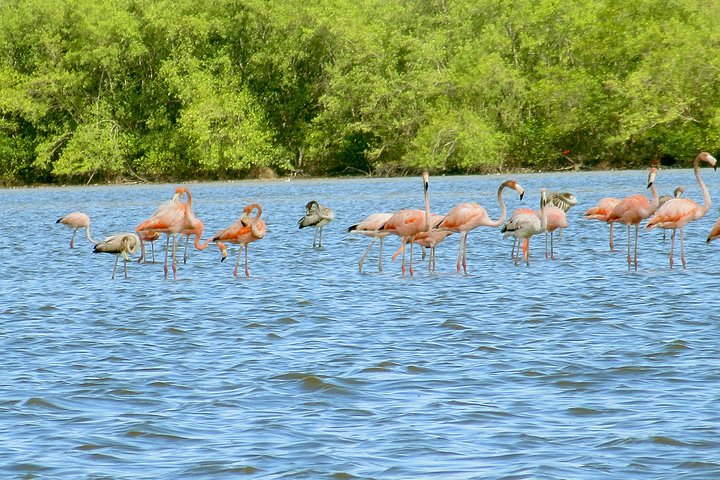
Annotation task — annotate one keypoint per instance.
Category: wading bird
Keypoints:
(602, 211)
(316, 216)
(678, 212)
(408, 223)
(634, 209)
(370, 226)
(465, 217)
(170, 218)
(120, 245)
(524, 223)
(76, 220)
(243, 232)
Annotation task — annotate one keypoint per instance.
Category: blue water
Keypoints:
(575, 368)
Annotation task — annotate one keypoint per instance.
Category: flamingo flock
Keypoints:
(175, 219)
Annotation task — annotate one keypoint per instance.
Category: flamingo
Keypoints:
(170, 218)
(714, 231)
(428, 240)
(244, 231)
(678, 212)
(408, 223)
(147, 236)
(634, 209)
(664, 198)
(370, 226)
(120, 245)
(76, 220)
(601, 211)
(467, 216)
(556, 220)
(524, 223)
(316, 216)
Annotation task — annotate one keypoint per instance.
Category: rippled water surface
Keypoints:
(573, 368)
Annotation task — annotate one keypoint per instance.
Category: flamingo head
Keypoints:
(651, 176)
(543, 197)
(426, 180)
(515, 186)
(706, 157)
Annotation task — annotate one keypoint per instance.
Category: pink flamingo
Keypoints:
(76, 220)
(678, 212)
(465, 217)
(556, 219)
(170, 218)
(243, 232)
(524, 223)
(429, 240)
(601, 211)
(370, 226)
(634, 209)
(408, 223)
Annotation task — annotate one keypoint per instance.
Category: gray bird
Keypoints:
(121, 245)
(316, 216)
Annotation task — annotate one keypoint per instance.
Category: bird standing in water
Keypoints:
(316, 216)
(120, 245)
(244, 231)
(77, 220)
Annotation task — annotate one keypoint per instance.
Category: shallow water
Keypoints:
(573, 368)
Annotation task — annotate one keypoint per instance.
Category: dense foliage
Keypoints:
(180, 89)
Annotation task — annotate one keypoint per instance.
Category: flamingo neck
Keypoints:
(503, 211)
(706, 194)
(427, 207)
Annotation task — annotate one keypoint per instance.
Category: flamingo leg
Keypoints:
(629, 259)
(185, 257)
(637, 233)
(142, 252)
(526, 251)
(237, 263)
(682, 248)
(174, 258)
(412, 272)
(552, 246)
(402, 247)
(380, 256)
(152, 249)
(612, 243)
(167, 252)
(672, 248)
(367, 250)
(72, 239)
(247, 270)
(460, 252)
(112, 277)
(320, 239)
(464, 261)
(546, 245)
(512, 252)
(125, 262)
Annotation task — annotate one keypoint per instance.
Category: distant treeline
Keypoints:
(108, 90)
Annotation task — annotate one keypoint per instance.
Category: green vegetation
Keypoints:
(105, 90)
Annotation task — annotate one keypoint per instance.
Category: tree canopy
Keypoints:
(177, 90)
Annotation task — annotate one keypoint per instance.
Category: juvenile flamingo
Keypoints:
(120, 245)
(243, 232)
(316, 216)
(370, 226)
(465, 217)
(678, 212)
(601, 211)
(76, 220)
(634, 209)
(408, 223)
(524, 223)
(170, 218)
